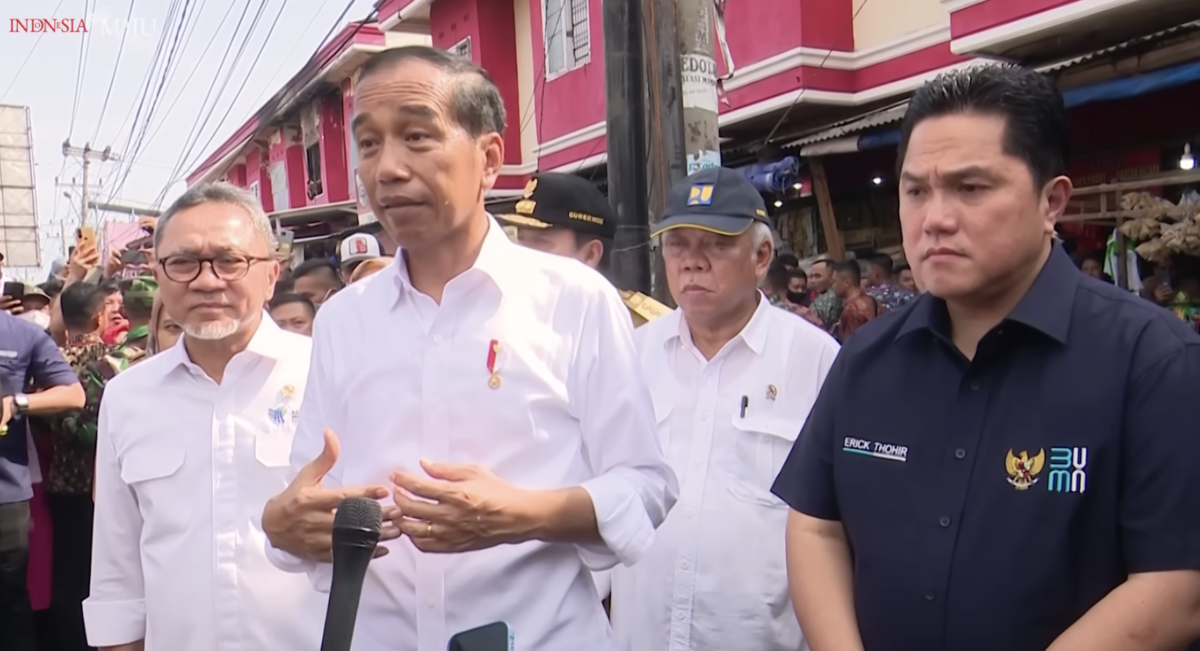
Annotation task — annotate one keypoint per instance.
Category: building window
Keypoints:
(279, 188)
(566, 34)
(462, 48)
(312, 164)
(253, 189)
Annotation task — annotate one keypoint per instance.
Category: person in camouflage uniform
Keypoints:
(68, 480)
(138, 299)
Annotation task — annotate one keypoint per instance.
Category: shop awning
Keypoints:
(315, 213)
(877, 118)
(1082, 60)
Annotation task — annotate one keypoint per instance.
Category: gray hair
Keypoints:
(231, 195)
(759, 233)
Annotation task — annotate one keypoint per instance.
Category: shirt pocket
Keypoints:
(273, 448)
(761, 444)
(152, 473)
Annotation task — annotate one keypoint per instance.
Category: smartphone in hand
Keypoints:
(490, 637)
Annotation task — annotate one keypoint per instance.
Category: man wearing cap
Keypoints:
(566, 215)
(355, 250)
(138, 300)
(732, 378)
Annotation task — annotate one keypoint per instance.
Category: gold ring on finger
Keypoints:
(428, 529)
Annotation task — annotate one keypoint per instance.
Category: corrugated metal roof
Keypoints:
(1092, 56)
(875, 118)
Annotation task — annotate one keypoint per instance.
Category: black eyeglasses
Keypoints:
(227, 267)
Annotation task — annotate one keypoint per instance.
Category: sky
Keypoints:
(184, 128)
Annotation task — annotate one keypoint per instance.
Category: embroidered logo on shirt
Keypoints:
(284, 411)
(876, 449)
(1023, 469)
(1068, 470)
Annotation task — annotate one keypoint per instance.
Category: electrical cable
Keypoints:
(116, 68)
(313, 60)
(29, 56)
(190, 147)
(821, 66)
(162, 82)
(288, 57)
(184, 90)
(80, 73)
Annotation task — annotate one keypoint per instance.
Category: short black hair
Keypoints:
(787, 260)
(309, 267)
(777, 276)
(110, 287)
(81, 303)
(286, 299)
(285, 283)
(850, 268)
(824, 261)
(1036, 126)
(901, 268)
(884, 262)
(475, 104)
(797, 273)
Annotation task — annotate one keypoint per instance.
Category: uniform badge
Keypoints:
(772, 392)
(1023, 469)
(284, 411)
(493, 364)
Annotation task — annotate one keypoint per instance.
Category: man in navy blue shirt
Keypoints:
(1010, 462)
(28, 357)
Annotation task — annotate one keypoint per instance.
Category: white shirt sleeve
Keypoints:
(633, 487)
(316, 415)
(115, 610)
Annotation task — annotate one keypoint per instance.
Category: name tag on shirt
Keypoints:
(8, 354)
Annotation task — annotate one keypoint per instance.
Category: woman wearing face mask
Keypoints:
(35, 306)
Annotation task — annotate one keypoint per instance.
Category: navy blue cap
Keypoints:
(718, 200)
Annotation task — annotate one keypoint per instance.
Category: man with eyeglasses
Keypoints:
(191, 444)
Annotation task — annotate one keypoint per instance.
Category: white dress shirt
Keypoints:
(399, 377)
(715, 579)
(184, 467)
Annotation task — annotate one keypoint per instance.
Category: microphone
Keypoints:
(356, 528)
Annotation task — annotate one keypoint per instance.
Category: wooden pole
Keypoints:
(833, 237)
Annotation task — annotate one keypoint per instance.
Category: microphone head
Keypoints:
(359, 515)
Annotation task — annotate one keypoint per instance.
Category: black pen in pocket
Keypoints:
(745, 403)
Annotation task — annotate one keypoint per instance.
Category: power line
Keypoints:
(80, 73)
(198, 128)
(116, 67)
(287, 57)
(29, 56)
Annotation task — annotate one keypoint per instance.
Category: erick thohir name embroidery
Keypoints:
(877, 449)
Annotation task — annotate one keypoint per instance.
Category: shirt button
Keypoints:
(930, 596)
(437, 339)
(679, 614)
(430, 602)
(974, 386)
(944, 521)
(704, 416)
(960, 454)
(683, 565)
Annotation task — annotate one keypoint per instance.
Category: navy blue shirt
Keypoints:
(27, 355)
(990, 503)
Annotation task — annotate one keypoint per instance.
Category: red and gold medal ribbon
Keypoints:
(493, 354)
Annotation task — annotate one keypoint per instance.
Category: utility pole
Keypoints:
(625, 90)
(87, 154)
(664, 118)
(698, 70)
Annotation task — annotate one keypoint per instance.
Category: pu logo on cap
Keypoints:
(701, 195)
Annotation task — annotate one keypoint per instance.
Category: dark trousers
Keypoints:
(16, 614)
(71, 517)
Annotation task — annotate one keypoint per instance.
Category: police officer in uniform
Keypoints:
(566, 215)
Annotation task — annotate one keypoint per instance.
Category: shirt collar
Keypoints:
(267, 342)
(1046, 306)
(497, 260)
(754, 334)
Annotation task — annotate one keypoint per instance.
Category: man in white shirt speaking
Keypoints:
(192, 442)
(732, 379)
(493, 388)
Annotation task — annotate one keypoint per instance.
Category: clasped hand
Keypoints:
(455, 508)
(459, 508)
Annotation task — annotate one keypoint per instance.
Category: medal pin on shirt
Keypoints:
(493, 365)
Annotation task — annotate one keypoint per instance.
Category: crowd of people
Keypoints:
(754, 470)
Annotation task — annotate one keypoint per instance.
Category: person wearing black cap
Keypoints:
(566, 215)
(731, 378)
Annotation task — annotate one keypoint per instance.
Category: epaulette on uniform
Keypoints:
(643, 308)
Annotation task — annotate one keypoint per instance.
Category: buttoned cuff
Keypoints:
(112, 623)
(624, 525)
(319, 574)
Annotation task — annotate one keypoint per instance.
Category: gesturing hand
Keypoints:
(460, 508)
(300, 519)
